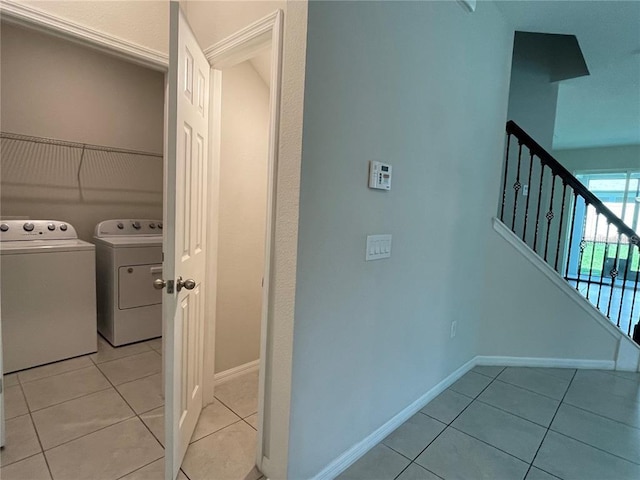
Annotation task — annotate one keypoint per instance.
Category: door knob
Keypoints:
(189, 284)
(159, 284)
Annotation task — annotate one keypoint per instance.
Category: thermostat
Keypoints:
(379, 175)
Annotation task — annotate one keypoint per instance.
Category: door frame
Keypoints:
(229, 49)
(235, 49)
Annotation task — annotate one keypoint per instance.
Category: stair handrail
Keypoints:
(567, 177)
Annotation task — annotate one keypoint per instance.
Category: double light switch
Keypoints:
(378, 246)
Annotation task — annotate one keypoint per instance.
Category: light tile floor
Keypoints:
(101, 417)
(500, 423)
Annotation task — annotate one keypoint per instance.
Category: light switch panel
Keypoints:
(378, 246)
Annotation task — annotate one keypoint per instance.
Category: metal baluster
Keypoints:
(535, 237)
(583, 243)
(564, 198)
(624, 284)
(549, 215)
(526, 210)
(606, 253)
(573, 219)
(516, 186)
(506, 174)
(593, 253)
(613, 273)
(635, 241)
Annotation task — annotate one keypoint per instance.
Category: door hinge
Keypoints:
(169, 286)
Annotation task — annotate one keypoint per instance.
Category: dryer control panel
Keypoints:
(129, 226)
(13, 230)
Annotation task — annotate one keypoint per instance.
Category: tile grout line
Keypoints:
(528, 389)
(596, 448)
(90, 433)
(114, 387)
(245, 421)
(68, 400)
(33, 424)
(119, 358)
(511, 413)
(86, 394)
(136, 415)
(108, 426)
(450, 423)
(212, 433)
(601, 415)
(22, 382)
(490, 445)
(551, 423)
(137, 469)
(234, 412)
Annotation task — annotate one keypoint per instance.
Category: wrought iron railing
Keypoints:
(573, 231)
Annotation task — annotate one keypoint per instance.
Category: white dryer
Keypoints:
(128, 260)
(47, 292)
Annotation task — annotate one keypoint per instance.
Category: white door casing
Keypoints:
(184, 237)
(2, 426)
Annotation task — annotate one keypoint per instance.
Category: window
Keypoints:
(598, 244)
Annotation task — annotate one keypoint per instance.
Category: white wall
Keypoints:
(423, 86)
(526, 315)
(145, 23)
(603, 158)
(56, 89)
(242, 216)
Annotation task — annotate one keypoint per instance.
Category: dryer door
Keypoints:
(135, 286)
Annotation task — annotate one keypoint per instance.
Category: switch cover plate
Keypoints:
(378, 246)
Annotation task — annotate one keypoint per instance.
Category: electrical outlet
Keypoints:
(454, 326)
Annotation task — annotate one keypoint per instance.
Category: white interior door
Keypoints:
(184, 242)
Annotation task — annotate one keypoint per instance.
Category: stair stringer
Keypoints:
(627, 352)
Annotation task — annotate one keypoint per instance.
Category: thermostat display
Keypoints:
(379, 176)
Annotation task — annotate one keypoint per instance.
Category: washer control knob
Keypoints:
(152, 225)
(4, 227)
(63, 227)
(120, 225)
(28, 227)
(136, 225)
(51, 227)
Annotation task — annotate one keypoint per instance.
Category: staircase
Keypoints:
(572, 230)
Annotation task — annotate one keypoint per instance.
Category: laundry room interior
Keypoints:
(82, 141)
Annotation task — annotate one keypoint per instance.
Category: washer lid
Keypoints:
(44, 246)
(130, 241)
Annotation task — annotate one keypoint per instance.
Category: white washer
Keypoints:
(128, 260)
(48, 293)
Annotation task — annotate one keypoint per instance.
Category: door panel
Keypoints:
(185, 248)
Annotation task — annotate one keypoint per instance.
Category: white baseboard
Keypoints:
(344, 461)
(236, 372)
(545, 362)
(349, 457)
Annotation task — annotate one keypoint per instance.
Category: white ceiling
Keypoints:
(603, 108)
